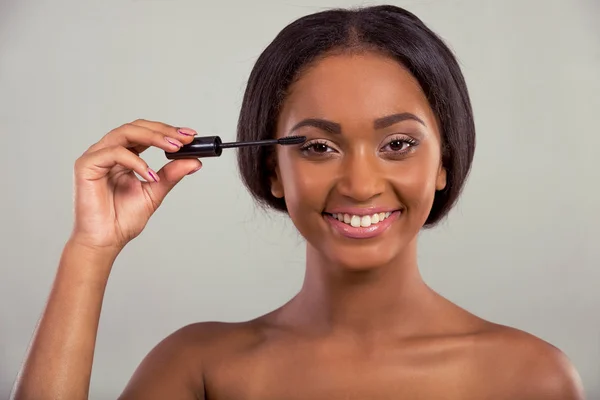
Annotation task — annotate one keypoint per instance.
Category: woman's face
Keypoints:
(362, 185)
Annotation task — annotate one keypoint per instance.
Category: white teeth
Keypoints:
(365, 221)
(375, 218)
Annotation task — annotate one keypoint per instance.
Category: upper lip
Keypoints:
(361, 210)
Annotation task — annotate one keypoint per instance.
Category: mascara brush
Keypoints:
(212, 146)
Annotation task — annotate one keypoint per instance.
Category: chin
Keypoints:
(359, 264)
(364, 256)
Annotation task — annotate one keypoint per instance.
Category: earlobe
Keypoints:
(276, 187)
(276, 190)
(441, 182)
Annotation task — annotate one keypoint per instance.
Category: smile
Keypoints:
(357, 226)
(361, 220)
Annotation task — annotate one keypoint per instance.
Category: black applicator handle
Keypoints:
(200, 147)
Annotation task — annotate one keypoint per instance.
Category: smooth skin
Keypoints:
(364, 324)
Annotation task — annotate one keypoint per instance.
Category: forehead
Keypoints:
(355, 87)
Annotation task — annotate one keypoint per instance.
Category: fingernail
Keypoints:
(153, 175)
(187, 131)
(195, 169)
(174, 142)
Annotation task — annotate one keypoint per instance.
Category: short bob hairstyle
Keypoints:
(388, 30)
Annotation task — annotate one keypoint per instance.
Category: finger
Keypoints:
(186, 135)
(137, 138)
(172, 173)
(97, 164)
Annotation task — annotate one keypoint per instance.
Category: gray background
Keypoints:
(520, 249)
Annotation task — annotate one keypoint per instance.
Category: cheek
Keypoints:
(415, 183)
(305, 185)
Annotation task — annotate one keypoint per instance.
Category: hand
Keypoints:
(112, 206)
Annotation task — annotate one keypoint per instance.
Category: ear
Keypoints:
(441, 181)
(276, 186)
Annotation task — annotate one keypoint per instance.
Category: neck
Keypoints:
(335, 299)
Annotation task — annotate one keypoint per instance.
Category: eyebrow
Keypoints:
(390, 120)
(322, 124)
(335, 128)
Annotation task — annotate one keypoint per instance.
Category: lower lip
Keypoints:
(361, 232)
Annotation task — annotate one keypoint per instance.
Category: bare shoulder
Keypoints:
(529, 367)
(174, 367)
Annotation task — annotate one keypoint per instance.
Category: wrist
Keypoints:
(88, 259)
(79, 244)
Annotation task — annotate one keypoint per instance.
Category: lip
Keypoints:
(361, 232)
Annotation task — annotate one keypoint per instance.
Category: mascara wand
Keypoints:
(212, 146)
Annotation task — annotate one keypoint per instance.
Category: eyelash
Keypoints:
(306, 149)
(411, 142)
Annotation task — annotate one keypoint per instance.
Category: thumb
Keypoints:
(172, 173)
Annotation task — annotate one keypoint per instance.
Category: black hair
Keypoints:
(388, 29)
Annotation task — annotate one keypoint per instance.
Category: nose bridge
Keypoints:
(361, 177)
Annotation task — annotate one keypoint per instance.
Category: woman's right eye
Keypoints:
(317, 148)
(320, 148)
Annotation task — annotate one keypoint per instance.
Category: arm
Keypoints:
(59, 360)
(61, 354)
(112, 207)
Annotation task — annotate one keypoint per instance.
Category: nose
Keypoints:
(361, 178)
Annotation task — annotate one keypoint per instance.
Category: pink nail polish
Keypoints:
(153, 174)
(187, 131)
(174, 142)
(195, 169)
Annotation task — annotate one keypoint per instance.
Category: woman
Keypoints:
(390, 140)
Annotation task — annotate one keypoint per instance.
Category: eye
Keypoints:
(399, 145)
(317, 148)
